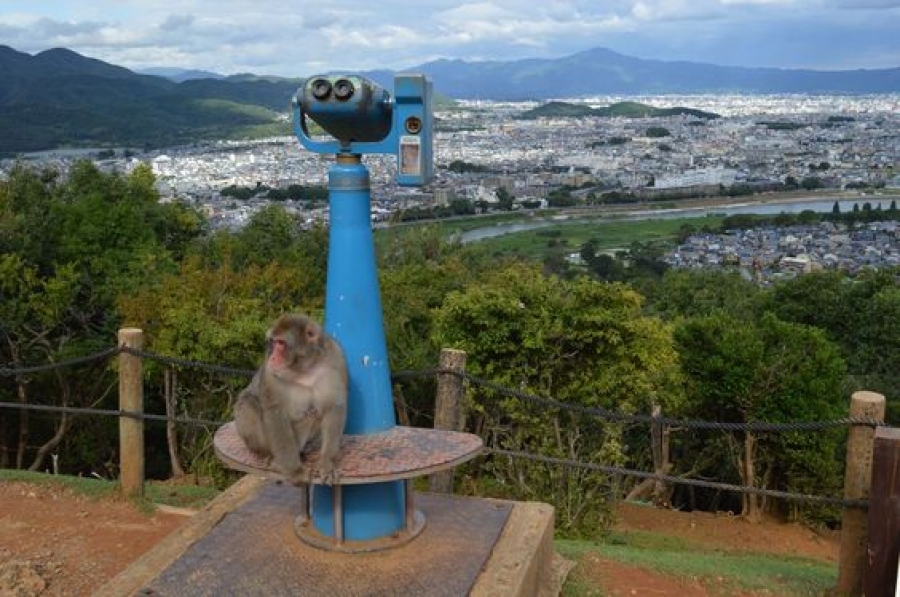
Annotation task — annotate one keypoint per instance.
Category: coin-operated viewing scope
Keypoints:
(362, 117)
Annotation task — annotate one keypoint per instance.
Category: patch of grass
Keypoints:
(729, 571)
(155, 492)
(179, 495)
(86, 486)
(607, 233)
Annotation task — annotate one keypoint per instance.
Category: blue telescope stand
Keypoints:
(353, 315)
(371, 506)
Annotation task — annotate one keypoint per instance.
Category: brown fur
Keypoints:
(299, 393)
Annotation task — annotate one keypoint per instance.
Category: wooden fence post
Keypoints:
(448, 408)
(857, 482)
(131, 430)
(880, 577)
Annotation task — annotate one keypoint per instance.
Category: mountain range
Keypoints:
(59, 98)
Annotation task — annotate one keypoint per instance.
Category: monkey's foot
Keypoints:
(298, 477)
(331, 476)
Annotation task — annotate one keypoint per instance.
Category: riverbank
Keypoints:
(770, 203)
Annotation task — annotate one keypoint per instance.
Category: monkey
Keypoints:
(299, 392)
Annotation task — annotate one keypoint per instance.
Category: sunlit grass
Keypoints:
(717, 569)
(607, 233)
(155, 492)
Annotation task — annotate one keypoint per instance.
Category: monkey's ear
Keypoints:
(313, 332)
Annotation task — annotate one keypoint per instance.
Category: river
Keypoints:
(820, 205)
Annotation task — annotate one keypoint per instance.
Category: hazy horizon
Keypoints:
(296, 39)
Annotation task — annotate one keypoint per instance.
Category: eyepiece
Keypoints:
(321, 89)
(343, 90)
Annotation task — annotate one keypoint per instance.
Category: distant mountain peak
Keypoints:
(601, 71)
(180, 74)
(95, 103)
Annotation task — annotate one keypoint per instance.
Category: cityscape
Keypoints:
(840, 142)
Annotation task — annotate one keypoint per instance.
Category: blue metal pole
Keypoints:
(353, 316)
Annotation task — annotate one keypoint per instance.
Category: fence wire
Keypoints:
(609, 415)
(7, 371)
(187, 363)
(615, 470)
(618, 417)
(129, 414)
(599, 412)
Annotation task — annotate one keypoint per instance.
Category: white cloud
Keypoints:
(298, 38)
(677, 10)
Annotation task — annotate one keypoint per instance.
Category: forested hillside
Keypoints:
(82, 257)
(61, 99)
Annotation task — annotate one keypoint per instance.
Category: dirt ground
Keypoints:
(718, 531)
(53, 542)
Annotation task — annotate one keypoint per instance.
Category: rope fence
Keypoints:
(615, 470)
(601, 413)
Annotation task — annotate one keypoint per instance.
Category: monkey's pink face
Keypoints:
(278, 353)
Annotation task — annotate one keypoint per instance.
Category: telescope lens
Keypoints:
(343, 90)
(321, 88)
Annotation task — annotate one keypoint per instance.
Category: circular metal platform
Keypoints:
(398, 453)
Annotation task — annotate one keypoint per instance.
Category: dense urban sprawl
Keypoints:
(839, 141)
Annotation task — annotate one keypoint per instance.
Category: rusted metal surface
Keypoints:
(399, 453)
(415, 524)
(254, 551)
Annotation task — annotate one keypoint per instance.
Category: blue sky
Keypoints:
(301, 38)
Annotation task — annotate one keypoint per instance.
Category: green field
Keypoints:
(609, 233)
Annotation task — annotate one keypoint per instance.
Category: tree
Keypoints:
(858, 313)
(685, 231)
(462, 207)
(504, 198)
(561, 198)
(656, 132)
(741, 371)
(72, 249)
(211, 313)
(581, 342)
(694, 293)
(32, 312)
(811, 182)
(418, 268)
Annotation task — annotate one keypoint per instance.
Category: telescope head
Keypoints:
(363, 118)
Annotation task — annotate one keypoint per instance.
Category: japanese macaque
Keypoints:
(299, 393)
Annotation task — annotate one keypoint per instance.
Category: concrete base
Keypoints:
(244, 543)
